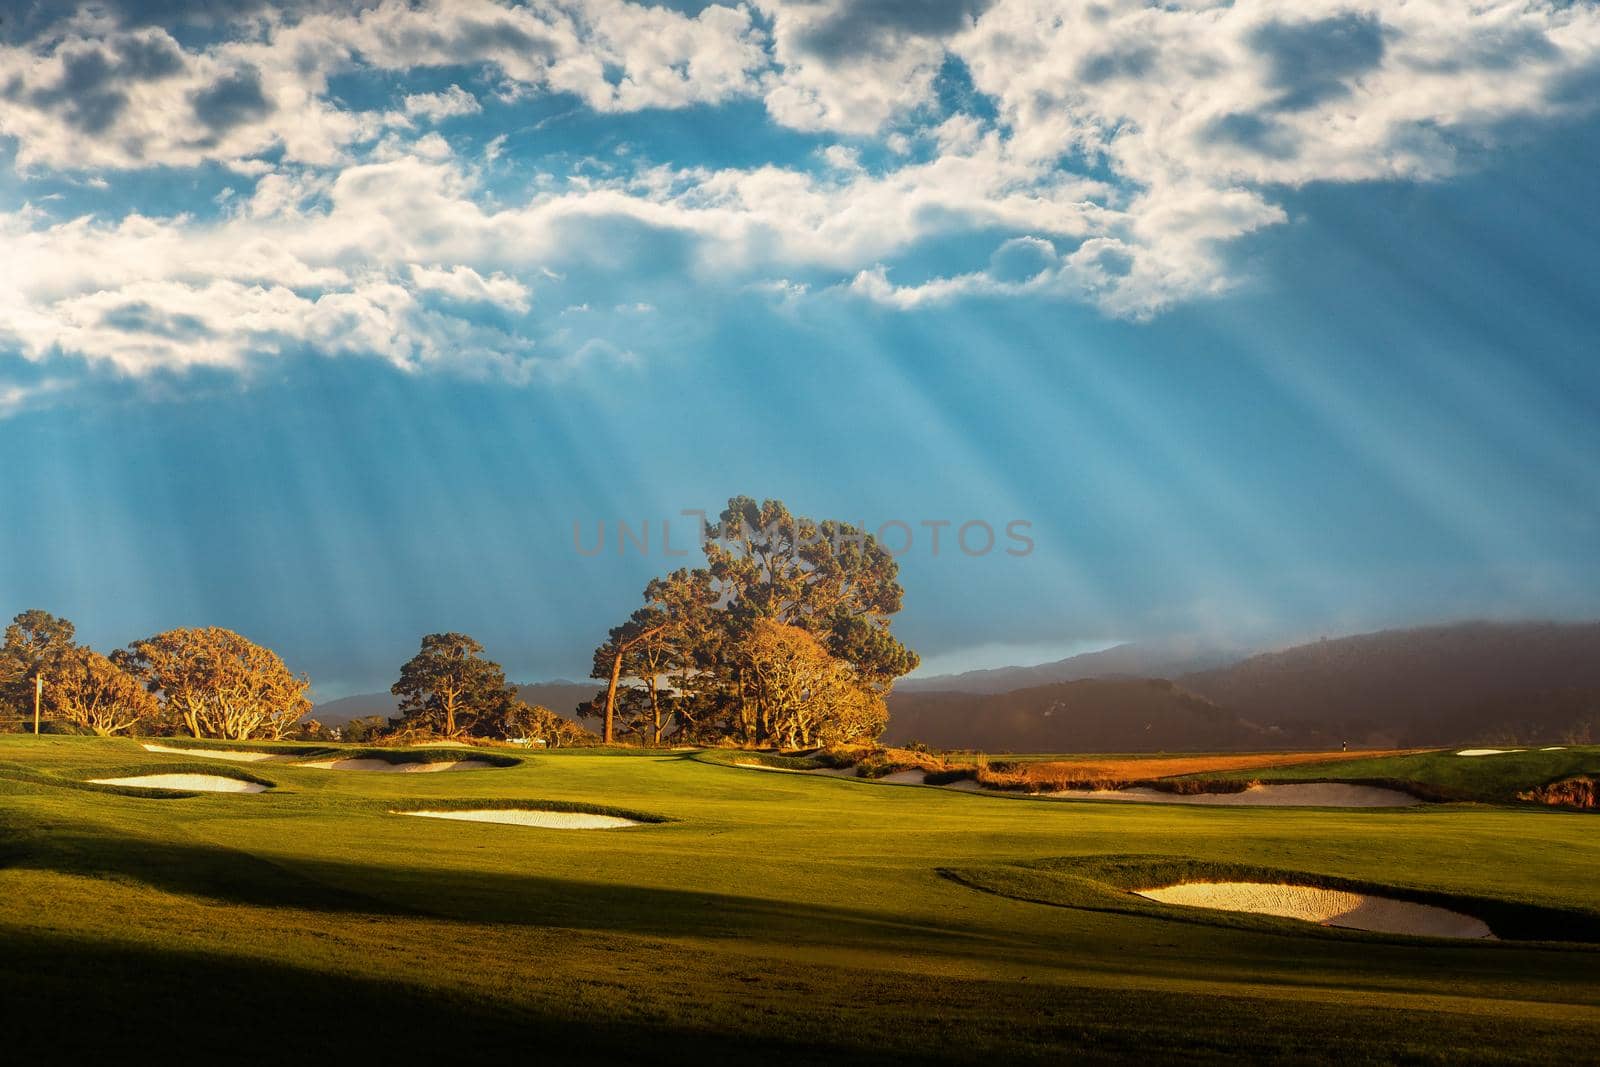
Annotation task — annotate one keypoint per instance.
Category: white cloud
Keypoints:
(1113, 149)
(435, 107)
(464, 283)
(97, 96)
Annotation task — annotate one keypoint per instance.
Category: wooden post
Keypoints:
(38, 694)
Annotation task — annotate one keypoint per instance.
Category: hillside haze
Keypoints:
(1088, 715)
(1429, 685)
(1155, 659)
(1438, 685)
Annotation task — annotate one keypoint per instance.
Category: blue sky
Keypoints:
(329, 323)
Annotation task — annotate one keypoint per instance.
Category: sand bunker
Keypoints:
(1488, 751)
(383, 766)
(764, 767)
(1554, 748)
(1327, 907)
(191, 783)
(1300, 795)
(549, 820)
(217, 753)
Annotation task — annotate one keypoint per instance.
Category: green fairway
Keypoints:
(784, 916)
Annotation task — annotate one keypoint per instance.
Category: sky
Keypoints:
(341, 323)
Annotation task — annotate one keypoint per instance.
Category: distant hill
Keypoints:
(562, 697)
(1163, 659)
(1088, 715)
(1528, 682)
(338, 712)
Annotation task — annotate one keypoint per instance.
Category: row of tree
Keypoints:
(781, 639)
(208, 682)
(211, 682)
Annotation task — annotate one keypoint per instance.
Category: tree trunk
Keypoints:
(655, 712)
(611, 696)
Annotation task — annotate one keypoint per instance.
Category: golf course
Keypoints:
(675, 906)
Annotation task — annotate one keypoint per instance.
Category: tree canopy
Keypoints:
(91, 692)
(717, 652)
(449, 686)
(219, 684)
(35, 643)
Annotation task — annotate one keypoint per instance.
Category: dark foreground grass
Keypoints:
(785, 918)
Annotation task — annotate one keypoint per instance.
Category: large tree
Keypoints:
(795, 695)
(686, 648)
(448, 686)
(660, 642)
(90, 691)
(219, 684)
(35, 644)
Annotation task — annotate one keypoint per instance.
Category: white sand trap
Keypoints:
(1327, 907)
(1296, 795)
(1554, 748)
(217, 753)
(192, 783)
(1488, 751)
(549, 820)
(911, 777)
(383, 766)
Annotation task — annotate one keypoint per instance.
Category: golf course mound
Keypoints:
(1326, 907)
(383, 766)
(539, 817)
(1225, 793)
(1220, 893)
(1295, 795)
(232, 755)
(185, 783)
(1308, 795)
(766, 767)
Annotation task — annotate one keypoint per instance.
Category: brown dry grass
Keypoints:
(1046, 776)
(1579, 792)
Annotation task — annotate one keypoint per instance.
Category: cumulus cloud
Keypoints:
(464, 283)
(435, 107)
(94, 93)
(1104, 151)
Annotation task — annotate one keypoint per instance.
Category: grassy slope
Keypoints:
(804, 915)
(1492, 779)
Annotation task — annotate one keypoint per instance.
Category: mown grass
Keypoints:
(796, 918)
